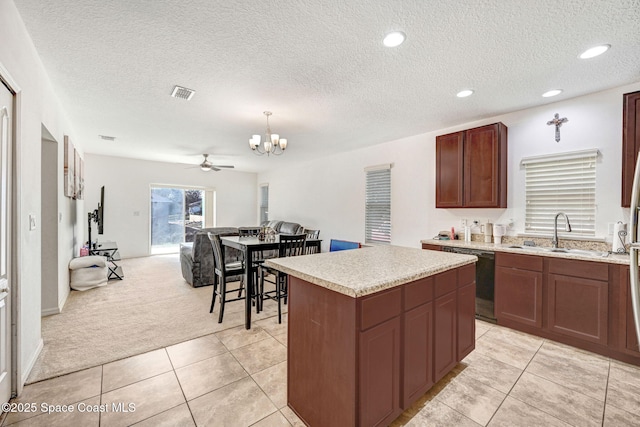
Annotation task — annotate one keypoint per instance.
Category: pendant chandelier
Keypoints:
(272, 143)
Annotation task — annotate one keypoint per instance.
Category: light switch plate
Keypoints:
(32, 221)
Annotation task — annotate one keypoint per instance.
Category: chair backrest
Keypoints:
(342, 245)
(248, 231)
(292, 245)
(218, 253)
(312, 234)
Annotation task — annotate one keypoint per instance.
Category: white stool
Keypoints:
(88, 272)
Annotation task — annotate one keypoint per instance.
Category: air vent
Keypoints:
(182, 92)
(107, 138)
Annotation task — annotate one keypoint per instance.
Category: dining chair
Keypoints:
(290, 245)
(342, 245)
(312, 234)
(258, 257)
(222, 273)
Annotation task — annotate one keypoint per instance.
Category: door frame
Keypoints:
(13, 219)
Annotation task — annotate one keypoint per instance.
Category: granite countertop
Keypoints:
(610, 258)
(360, 272)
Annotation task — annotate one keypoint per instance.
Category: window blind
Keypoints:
(378, 205)
(561, 183)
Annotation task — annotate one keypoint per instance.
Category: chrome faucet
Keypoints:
(567, 227)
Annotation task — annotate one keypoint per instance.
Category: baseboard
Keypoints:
(50, 311)
(27, 370)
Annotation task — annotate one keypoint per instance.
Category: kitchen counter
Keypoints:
(610, 258)
(368, 270)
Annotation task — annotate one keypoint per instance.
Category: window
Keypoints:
(264, 203)
(378, 204)
(561, 183)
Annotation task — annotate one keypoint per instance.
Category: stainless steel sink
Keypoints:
(595, 254)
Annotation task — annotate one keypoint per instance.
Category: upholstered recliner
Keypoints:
(196, 258)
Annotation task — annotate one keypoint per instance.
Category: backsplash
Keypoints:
(546, 242)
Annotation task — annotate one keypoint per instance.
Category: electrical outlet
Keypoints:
(463, 222)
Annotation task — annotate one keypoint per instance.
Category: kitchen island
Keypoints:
(371, 330)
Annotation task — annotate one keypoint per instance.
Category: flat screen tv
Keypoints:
(100, 218)
(97, 215)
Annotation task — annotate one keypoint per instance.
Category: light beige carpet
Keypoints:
(153, 307)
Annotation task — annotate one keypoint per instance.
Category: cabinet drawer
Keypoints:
(431, 247)
(377, 308)
(418, 292)
(575, 268)
(523, 262)
(446, 282)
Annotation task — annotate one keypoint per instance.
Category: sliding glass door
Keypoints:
(177, 214)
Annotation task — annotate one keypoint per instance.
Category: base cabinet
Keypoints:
(578, 307)
(518, 289)
(418, 353)
(380, 374)
(361, 361)
(445, 336)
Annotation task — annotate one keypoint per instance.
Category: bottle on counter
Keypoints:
(467, 234)
(452, 236)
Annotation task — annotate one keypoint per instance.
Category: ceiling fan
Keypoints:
(206, 165)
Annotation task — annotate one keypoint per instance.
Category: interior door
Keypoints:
(6, 113)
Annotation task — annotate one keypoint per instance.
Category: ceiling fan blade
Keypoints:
(224, 166)
(215, 169)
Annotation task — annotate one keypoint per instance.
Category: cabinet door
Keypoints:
(578, 307)
(466, 320)
(380, 374)
(485, 166)
(630, 143)
(518, 296)
(630, 337)
(418, 353)
(449, 176)
(445, 335)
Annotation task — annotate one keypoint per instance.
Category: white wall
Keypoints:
(127, 191)
(37, 105)
(329, 192)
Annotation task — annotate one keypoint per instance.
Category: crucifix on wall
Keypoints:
(558, 122)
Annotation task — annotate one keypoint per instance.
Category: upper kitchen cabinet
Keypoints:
(630, 143)
(471, 168)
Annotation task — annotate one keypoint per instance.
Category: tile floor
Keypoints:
(238, 378)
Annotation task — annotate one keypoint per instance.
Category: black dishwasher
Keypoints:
(485, 275)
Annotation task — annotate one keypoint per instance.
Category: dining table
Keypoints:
(249, 246)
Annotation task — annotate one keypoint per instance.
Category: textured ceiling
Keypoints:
(319, 65)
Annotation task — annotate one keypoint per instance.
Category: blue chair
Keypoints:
(342, 245)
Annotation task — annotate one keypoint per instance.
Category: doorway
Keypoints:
(177, 214)
(6, 138)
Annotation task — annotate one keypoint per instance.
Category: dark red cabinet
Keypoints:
(380, 374)
(418, 353)
(630, 142)
(471, 168)
(361, 361)
(518, 289)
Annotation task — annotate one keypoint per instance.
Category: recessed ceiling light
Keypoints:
(595, 51)
(394, 39)
(464, 93)
(107, 138)
(552, 92)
